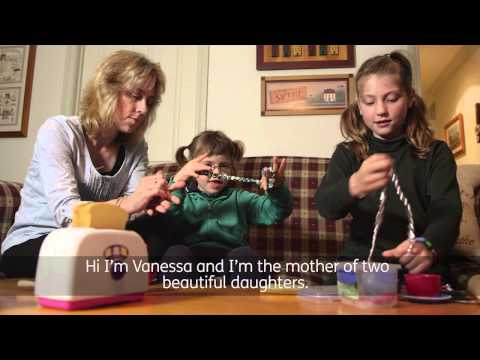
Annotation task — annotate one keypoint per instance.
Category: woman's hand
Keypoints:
(191, 169)
(278, 166)
(419, 259)
(152, 195)
(374, 174)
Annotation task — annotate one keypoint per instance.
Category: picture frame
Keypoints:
(455, 135)
(16, 77)
(288, 57)
(477, 122)
(306, 95)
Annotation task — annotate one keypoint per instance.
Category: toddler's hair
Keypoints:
(212, 143)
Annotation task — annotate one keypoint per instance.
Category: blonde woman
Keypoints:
(100, 155)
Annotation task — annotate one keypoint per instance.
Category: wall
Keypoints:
(52, 93)
(457, 91)
(234, 104)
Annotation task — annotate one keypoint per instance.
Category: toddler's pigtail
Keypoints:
(238, 150)
(180, 155)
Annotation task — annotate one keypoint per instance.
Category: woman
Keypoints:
(99, 156)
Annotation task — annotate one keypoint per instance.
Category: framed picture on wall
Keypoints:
(306, 95)
(16, 77)
(477, 123)
(455, 136)
(287, 57)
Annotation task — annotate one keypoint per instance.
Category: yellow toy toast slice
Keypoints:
(99, 216)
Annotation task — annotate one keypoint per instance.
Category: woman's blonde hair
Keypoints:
(417, 130)
(211, 143)
(122, 71)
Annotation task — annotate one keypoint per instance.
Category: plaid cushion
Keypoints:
(305, 234)
(302, 236)
(9, 203)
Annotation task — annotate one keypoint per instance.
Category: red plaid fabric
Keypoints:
(305, 234)
(9, 203)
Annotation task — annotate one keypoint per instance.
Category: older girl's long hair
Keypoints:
(417, 130)
(122, 71)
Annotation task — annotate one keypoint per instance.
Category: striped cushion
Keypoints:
(305, 234)
(9, 203)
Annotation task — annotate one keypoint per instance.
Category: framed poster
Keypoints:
(306, 95)
(16, 77)
(455, 136)
(287, 57)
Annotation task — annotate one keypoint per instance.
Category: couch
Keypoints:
(305, 235)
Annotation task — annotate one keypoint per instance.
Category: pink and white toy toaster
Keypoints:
(82, 267)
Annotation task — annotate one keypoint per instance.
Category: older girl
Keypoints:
(387, 129)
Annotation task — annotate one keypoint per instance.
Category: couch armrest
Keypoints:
(9, 203)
